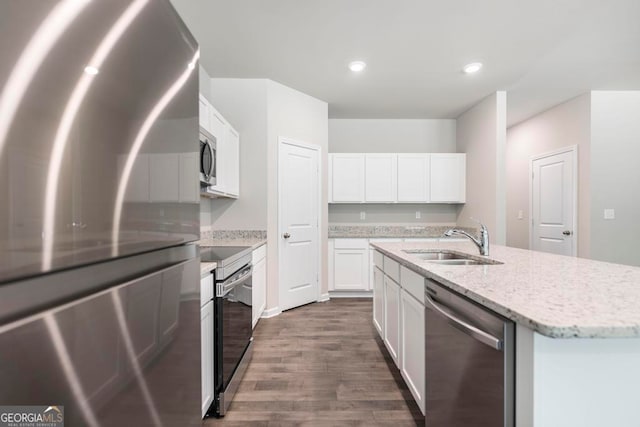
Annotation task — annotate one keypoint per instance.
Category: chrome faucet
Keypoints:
(482, 243)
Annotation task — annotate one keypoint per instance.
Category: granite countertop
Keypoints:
(556, 296)
(399, 231)
(206, 268)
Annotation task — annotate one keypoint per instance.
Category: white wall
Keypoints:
(615, 175)
(298, 116)
(561, 126)
(243, 102)
(481, 133)
(395, 136)
(392, 136)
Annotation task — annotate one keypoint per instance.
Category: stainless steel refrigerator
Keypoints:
(99, 209)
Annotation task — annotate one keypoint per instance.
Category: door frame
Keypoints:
(282, 140)
(573, 150)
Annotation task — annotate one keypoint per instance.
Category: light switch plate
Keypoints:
(520, 214)
(417, 214)
(363, 215)
(609, 214)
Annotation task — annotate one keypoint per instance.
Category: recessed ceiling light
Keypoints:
(357, 66)
(91, 70)
(472, 68)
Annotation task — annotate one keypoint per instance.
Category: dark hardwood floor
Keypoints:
(322, 365)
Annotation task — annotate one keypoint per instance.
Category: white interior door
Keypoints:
(553, 206)
(299, 207)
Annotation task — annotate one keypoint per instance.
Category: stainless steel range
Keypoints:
(232, 320)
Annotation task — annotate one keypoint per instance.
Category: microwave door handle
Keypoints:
(463, 326)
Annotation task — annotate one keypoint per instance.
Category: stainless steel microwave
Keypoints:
(208, 158)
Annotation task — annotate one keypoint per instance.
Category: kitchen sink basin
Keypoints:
(449, 258)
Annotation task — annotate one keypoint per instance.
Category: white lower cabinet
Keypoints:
(206, 342)
(259, 283)
(392, 318)
(378, 300)
(349, 265)
(412, 351)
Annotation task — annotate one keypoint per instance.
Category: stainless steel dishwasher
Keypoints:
(470, 360)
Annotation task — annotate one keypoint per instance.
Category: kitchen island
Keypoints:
(577, 328)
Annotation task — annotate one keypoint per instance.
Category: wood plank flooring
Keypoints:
(321, 365)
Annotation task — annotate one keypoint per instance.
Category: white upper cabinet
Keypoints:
(448, 178)
(205, 114)
(227, 157)
(413, 178)
(233, 162)
(380, 178)
(346, 178)
(397, 178)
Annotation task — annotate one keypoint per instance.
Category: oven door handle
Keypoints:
(224, 288)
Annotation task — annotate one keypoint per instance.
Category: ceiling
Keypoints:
(542, 52)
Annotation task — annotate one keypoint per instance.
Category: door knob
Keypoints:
(567, 233)
(286, 235)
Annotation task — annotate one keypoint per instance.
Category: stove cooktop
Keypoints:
(220, 254)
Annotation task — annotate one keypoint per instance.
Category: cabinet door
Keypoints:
(233, 165)
(205, 113)
(378, 300)
(412, 353)
(380, 178)
(351, 269)
(448, 178)
(392, 319)
(164, 179)
(259, 294)
(346, 178)
(219, 130)
(206, 342)
(413, 178)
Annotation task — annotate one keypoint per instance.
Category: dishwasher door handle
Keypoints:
(468, 329)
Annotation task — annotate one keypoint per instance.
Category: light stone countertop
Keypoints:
(556, 296)
(206, 268)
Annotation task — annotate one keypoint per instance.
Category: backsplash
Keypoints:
(233, 234)
(384, 231)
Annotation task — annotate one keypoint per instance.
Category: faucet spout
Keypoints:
(482, 243)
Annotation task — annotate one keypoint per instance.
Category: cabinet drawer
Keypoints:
(378, 259)
(392, 269)
(351, 243)
(412, 282)
(259, 254)
(206, 289)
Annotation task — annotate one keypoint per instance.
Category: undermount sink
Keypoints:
(449, 258)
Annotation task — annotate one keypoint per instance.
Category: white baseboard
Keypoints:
(323, 298)
(351, 294)
(272, 312)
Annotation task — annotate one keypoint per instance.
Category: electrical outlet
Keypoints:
(363, 215)
(609, 214)
(520, 215)
(417, 214)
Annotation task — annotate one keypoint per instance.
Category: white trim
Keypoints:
(351, 294)
(569, 149)
(324, 297)
(289, 141)
(272, 312)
